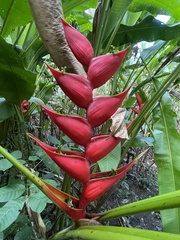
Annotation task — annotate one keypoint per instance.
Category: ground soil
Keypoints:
(139, 183)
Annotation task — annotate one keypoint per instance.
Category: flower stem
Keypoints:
(60, 216)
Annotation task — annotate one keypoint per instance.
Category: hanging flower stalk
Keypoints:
(79, 129)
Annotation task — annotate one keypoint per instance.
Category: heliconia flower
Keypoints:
(95, 188)
(24, 105)
(63, 200)
(140, 104)
(76, 87)
(103, 108)
(102, 68)
(79, 44)
(76, 166)
(100, 146)
(75, 127)
(66, 152)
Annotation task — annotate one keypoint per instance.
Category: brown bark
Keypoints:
(47, 14)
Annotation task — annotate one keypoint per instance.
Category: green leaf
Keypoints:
(69, 5)
(129, 102)
(33, 158)
(13, 190)
(115, 233)
(27, 231)
(149, 29)
(1, 236)
(16, 83)
(17, 154)
(5, 164)
(7, 109)
(166, 153)
(32, 46)
(10, 211)
(171, 8)
(116, 14)
(110, 161)
(14, 13)
(151, 50)
(38, 201)
(47, 160)
(140, 141)
(53, 140)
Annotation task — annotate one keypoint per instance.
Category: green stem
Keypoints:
(146, 110)
(33, 178)
(19, 35)
(60, 216)
(101, 25)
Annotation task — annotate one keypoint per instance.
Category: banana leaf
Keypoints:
(171, 8)
(166, 153)
(149, 29)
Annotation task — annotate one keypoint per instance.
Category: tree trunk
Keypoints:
(47, 16)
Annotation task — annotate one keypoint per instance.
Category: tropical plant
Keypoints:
(150, 82)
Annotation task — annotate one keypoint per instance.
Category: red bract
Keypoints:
(102, 68)
(100, 146)
(24, 105)
(103, 108)
(61, 200)
(94, 188)
(77, 88)
(76, 166)
(79, 44)
(75, 127)
(140, 104)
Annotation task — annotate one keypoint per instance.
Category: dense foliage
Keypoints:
(150, 72)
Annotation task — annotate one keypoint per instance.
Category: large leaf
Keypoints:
(14, 13)
(166, 151)
(110, 161)
(26, 231)
(149, 29)
(32, 46)
(7, 109)
(69, 5)
(5, 164)
(38, 201)
(13, 190)
(16, 83)
(158, 7)
(10, 211)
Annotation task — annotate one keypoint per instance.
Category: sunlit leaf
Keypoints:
(69, 5)
(14, 14)
(149, 29)
(158, 7)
